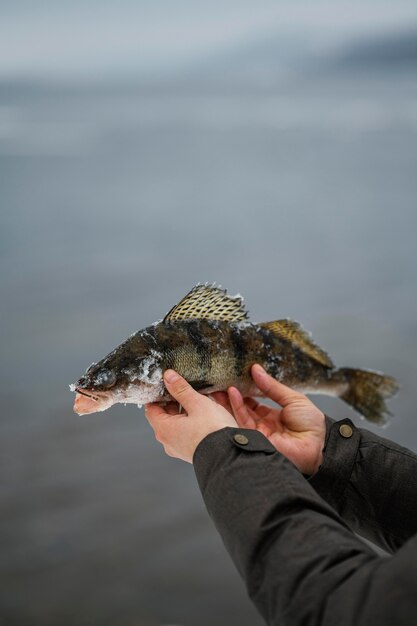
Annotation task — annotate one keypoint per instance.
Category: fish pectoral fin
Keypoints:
(208, 302)
(199, 385)
(292, 331)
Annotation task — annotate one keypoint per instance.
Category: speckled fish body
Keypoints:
(209, 341)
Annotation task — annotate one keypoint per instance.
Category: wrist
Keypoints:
(313, 456)
(318, 461)
(208, 430)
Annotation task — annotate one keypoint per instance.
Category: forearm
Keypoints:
(371, 482)
(291, 548)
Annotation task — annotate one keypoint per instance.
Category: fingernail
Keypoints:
(171, 376)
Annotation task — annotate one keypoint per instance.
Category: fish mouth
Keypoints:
(87, 401)
(88, 395)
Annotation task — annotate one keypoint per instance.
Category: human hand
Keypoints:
(180, 433)
(297, 430)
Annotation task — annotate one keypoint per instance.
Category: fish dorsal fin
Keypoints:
(293, 332)
(208, 302)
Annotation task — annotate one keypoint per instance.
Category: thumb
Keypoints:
(179, 389)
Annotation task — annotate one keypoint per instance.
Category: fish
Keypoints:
(209, 340)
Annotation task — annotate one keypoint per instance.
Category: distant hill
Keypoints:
(394, 51)
(253, 65)
(267, 62)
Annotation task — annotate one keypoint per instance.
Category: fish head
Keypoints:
(130, 374)
(97, 389)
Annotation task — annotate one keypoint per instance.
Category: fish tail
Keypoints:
(366, 392)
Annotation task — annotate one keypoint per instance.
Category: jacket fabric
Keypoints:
(291, 538)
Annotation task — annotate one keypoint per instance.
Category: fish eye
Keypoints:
(106, 379)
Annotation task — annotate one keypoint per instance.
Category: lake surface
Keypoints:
(115, 201)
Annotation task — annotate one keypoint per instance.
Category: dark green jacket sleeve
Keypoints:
(299, 560)
(371, 482)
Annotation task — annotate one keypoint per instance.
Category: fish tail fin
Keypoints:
(366, 392)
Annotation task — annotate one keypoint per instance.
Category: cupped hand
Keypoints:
(296, 428)
(180, 433)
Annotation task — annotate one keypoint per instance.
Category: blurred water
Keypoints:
(116, 201)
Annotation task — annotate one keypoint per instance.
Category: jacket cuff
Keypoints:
(228, 442)
(339, 455)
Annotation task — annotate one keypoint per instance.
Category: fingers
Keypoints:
(273, 389)
(179, 389)
(251, 403)
(156, 414)
(155, 411)
(173, 408)
(240, 410)
(258, 410)
(222, 398)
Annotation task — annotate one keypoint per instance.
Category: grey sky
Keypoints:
(55, 37)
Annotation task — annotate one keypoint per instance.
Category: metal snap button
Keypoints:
(241, 439)
(346, 431)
